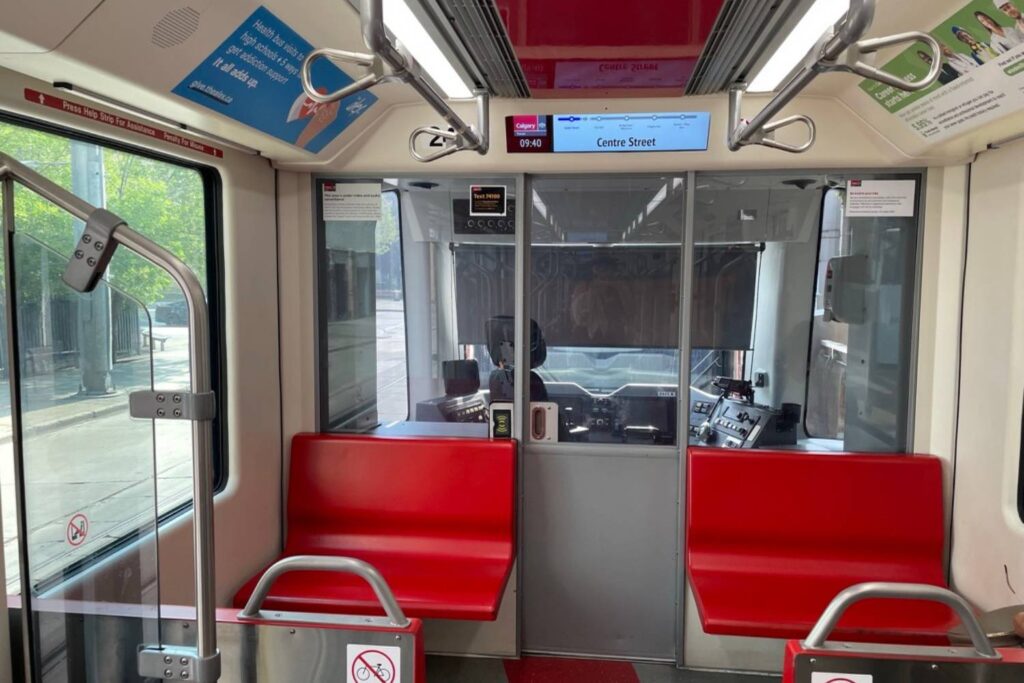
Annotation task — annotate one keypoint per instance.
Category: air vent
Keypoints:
(743, 29)
(176, 27)
(478, 26)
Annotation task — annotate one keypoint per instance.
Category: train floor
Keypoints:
(565, 670)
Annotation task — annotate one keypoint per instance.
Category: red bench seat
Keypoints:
(773, 536)
(434, 516)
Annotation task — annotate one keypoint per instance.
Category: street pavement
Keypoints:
(89, 467)
(85, 458)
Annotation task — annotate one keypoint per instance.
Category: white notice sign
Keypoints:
(822, 677)
(880, 198)
(351, 201)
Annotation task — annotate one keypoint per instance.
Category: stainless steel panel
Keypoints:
(902, 671)
(250, 653)
(599, 551)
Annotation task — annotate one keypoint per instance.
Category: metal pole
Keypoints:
(375, 37)
(14, 382)
(202, 431)
(853, 26)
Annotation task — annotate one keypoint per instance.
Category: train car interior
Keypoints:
(512, 341)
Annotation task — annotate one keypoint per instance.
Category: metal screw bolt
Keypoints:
(168, 673)
(99, 246)
(86, 238)
(160, 398)
(184, 661)
(160, 412)
(813, 660)
(184, 675)
(91, 261)
(79, 253)
(177, 412)
(291, 631)
(168, 659)
(177, 398)
(935, 667)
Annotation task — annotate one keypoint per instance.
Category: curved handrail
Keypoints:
(851, 60)
(817, 638)
(324, 563)
(768, 129)
(453, 143)
(389, 61)
(842, 49)
(375, 76)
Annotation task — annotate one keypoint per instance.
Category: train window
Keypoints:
(604, 284)
(778, 266)
(406, 301)
(82, 354)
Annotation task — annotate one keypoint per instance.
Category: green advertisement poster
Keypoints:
(981, 77)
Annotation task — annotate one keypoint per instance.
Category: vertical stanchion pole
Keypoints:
(14, 383)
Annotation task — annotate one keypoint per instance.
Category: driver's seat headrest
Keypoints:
(501, 341)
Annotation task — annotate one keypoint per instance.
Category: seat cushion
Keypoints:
(774, 536)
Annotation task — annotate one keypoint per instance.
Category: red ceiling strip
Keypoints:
(120, 122)
(585, 47)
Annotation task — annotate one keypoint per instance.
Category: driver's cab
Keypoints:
(798, 314)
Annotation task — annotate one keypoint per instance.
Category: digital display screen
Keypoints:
(608, 132)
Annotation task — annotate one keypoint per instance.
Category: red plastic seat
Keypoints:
(434, 516)
(773, 536)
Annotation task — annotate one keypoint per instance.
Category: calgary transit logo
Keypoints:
(527, 126)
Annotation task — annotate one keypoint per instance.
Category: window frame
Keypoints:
(920, 176)
(321, 282)
(214, 246)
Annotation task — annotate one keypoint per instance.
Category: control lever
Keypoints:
(740, 387)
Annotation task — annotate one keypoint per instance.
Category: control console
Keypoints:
(733, 420)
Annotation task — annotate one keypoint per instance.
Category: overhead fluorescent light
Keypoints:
(411, 33)
(822, 16)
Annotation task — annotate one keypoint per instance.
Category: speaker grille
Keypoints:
(175, 27)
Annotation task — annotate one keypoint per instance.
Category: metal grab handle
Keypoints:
(850, 60)
(453, 143)
(206, 661)
(374, 63)
(325, 563)
(764, 136)
(818, 636)
(384, 54)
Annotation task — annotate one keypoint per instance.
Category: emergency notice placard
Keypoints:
(880, 198)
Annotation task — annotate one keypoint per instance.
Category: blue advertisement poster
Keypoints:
(254, 78)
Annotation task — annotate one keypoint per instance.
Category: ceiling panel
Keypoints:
(589, 48)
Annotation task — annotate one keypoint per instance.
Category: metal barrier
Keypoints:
(840, 50)
(323, 563)
(817, 639)
(103, 232)
(385, 63)
(816, 660)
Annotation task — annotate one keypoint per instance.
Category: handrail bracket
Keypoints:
(387, 61)
(841, 49)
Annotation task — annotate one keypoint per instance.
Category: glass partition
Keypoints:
(604, 299)
(410, 290)
(90, 482)
(802, 314)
